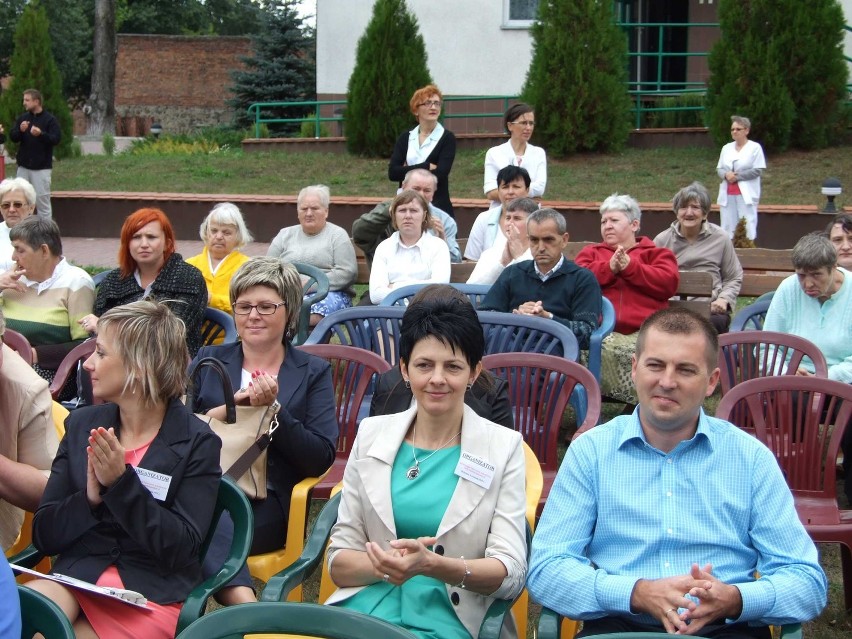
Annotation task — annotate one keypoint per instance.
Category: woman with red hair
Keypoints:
(427, 146)
(150, 267)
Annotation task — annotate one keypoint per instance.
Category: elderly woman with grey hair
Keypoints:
(839, 231)
(17, 202)
(318, 242)
(637, 277)
(740, 166)
(816, 303)
(700, 245)
(224, 232)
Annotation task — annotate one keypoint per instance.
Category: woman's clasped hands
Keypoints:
(105, 462)
(262, 390)
(406, 558)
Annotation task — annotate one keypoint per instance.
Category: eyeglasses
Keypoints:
(528, 123)
(8, 205)
(737, 128)
(431, 103)
(264, 308)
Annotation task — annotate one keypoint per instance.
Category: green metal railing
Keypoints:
(645, 102)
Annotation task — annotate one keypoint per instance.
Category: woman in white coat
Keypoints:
(741, 164)
(519, 121)
(431, 524)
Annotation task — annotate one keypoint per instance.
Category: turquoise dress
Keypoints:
(420, 604)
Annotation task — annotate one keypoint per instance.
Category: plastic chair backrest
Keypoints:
(745, 355)
(19, 344)
(402, 295)
(217, 327)
(310, 620)
(510, 333)
(72, 364)
(314, 289)
(751, 317)
(373, 328)
(540, 387)
(793, 416)
(97, 278)
(600, 333)
(232, 500)
(40, 615)
(353, 372)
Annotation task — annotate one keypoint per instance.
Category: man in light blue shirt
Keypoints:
(659, 520)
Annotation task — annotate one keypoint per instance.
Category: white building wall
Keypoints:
(469, 52)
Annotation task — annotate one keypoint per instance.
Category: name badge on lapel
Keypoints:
(156, 483)
(475, 469)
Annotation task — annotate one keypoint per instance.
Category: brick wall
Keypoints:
(180, 81)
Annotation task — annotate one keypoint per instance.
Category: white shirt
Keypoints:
(534, 160)
(490, 263)
(417, 153)
(394, 264)
(6, 248)
(484, 231)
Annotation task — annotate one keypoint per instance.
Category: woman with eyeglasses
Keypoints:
(741, 164)
(263, 366)
(519, 121)
(17, 201)
(427, 146)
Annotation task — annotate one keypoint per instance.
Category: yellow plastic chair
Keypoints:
(265, 565)
(25, 537)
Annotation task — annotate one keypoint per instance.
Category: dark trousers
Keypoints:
(712, 631)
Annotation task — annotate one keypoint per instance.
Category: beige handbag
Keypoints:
(246, 432)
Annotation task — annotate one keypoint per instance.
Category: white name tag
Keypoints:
(475, 469)
(156, 483)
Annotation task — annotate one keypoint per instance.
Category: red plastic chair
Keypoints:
(745, 355)
(19, 344)
(802, 420)
(353, 373)
(70, 365)
(540, 388)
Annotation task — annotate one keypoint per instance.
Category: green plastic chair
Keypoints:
(311, 620)
(231, 500)
(314, 289)
(550, 627)
(40, 614)
(281, 584)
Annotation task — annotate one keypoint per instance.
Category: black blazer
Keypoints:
(153, 544)
(304, 444)
(489, 400)
(442, 156)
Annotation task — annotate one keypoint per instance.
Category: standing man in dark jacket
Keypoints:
(36, 133)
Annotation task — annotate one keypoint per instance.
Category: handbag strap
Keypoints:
(224, 378)
(244, 461)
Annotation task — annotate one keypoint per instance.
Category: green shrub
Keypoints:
(76, 149)
(675, 119)
(309, 129)
(390, 65)
(108, 143)
(577, 80)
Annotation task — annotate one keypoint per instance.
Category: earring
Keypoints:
(408, 384)
(469, 385)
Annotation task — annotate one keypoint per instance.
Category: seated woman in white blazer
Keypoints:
(431, 524)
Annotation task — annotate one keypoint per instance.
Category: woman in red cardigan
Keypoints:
(637, 277)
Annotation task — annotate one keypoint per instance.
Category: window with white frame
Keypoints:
(519, 14)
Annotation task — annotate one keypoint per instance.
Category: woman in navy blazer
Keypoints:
(266, 295)
(133, 487)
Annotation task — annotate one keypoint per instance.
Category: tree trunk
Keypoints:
(100, 111)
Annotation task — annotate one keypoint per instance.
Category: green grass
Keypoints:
(649, 175)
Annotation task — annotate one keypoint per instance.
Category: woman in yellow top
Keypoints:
(224, 232)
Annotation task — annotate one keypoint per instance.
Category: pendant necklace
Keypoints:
(414, 471)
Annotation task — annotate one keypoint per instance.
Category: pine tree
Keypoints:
(33, 67)
(577, 78)
(390, 65)
(282, 69)
(779, 63)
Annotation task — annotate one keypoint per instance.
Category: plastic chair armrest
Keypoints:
(549, 624)
(29, 557)
(791, 631)
(492, 624)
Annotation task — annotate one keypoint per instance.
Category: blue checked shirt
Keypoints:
(621, 510)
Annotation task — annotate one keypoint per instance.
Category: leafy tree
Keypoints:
(188, 17)
(779, 62)
(33, 67)
(390, 65)
(577, 78)
(10, 11)
(71, 42)
(282, 69)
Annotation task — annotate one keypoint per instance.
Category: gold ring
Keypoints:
(671, 610)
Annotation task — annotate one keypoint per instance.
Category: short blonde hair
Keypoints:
(151, 341)
(226, 214)
(281, 277)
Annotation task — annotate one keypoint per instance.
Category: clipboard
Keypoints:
(125, 596)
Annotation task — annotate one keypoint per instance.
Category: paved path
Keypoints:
(88, 251)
